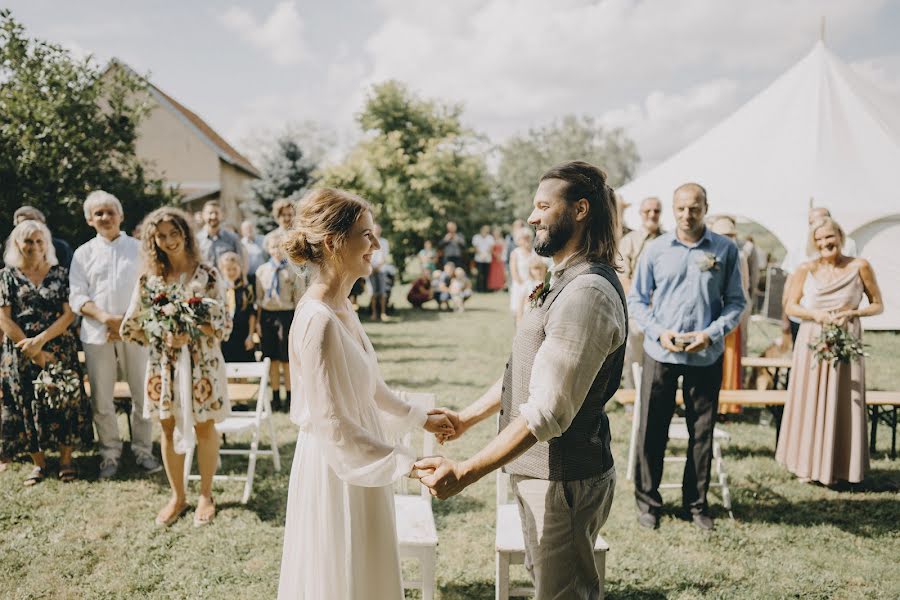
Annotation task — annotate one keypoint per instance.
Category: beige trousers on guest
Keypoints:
(561, 521)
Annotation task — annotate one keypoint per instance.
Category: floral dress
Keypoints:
(203, 377)
(29, 425)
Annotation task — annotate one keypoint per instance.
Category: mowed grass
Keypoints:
(96, 540)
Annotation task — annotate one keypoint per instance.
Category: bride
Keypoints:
(340, 540)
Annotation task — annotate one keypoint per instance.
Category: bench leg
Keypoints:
(874, 433)
(427, 563)
(501, 577)
(600, 562)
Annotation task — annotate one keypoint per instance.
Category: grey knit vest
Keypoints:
(583, 450)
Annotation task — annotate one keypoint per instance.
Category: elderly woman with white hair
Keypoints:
(35, 317)
(102, 278)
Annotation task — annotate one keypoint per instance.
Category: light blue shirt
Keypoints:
(676, 287)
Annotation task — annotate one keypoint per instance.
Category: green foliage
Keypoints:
(287, 172)
(524, 158)
(67, 129)
(419, 167)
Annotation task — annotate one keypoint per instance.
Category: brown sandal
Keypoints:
(67, 473)
(201, 521)
(173, 517)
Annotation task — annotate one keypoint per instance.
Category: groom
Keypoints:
(565, 365)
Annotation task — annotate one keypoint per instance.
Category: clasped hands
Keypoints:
(668, 340)
(837, 317)
(442, 476)
(33, 349)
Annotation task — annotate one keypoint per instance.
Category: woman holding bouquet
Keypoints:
(340, 539)
(35, 318)
(178, 311)
(823, 432)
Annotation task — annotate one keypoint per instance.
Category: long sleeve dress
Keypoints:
(198, 370)
(340, 539)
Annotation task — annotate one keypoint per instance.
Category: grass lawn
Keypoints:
(97, 540)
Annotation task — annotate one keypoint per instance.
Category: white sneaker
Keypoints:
(108, 468)
(148, 464)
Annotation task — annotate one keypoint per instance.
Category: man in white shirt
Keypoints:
(102, 279)
(483, 242)
(796, 257)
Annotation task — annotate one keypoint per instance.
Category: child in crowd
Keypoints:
(278, 290)
(428, 257)
(460, 289)
(537, 271)
(442, 285)
(240, 299)
(420, 292)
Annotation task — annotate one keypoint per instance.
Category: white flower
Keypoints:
(168, 309)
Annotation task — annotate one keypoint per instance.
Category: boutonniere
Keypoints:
(540, 291)
(708, 262)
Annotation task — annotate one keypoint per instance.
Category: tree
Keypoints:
(524, 158)
(418, 166)
(67, 128)
(286, 173)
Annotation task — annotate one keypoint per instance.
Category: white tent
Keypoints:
(820, 132)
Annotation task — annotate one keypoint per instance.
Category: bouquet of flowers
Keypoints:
(170, 310)
(836, 344)
(57, 387)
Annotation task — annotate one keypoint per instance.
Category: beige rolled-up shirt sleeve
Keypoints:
(585, 323)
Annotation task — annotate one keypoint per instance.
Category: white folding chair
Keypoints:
(416, 530)
(510, 545)
(678, 431)
(245, 421)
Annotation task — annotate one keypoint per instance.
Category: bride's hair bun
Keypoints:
(324, 213)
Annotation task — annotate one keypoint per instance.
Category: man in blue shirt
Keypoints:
(686, 297)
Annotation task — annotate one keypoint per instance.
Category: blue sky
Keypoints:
(666, 71)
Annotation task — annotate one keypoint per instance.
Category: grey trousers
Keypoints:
(103, 364)
(561, 521)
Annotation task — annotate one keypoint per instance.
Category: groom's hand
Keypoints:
(458, 425)
(445, 478)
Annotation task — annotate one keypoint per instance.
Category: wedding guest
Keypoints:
(104, 274)
(460, 289)
(240, 302)
(428, 257)
(686, 297)
(518, 270)
(283, 213)
(214, 240)
(359, 287)
(378, 278)
(420, 290)
(631, 246)
(537, 273)
(35, 317)
(497, 273)
(621, 205)
(339, 539)
(483, 243)
(181, 369)
(278, 290)
(442, 288)
(254, 247)
(731, 355)
(453, 245)
(62, 248)
(796, 257)
(823, 432)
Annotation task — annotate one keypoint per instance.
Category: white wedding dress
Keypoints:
(340, 540)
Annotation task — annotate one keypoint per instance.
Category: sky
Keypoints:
(665, 71)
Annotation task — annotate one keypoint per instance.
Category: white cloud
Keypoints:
(280, 35)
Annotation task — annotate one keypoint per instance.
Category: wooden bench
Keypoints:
(882, 406)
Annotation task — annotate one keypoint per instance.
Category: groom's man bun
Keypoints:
(324, 213)
(584, 180)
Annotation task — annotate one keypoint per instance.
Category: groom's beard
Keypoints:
(556, 235)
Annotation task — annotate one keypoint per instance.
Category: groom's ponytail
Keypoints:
(323, 213)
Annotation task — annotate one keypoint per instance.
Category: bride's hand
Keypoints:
(439, 424)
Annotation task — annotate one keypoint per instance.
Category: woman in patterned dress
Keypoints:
(35, 318)
(179, 366)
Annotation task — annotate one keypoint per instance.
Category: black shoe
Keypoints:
(702, 521)
(648, 520)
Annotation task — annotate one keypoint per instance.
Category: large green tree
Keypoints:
(66, 128)
(418, 166)
(523, 158)
(287, 172)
